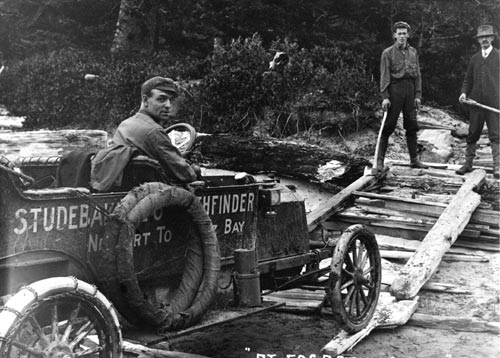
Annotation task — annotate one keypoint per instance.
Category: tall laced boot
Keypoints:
(382, 148)
(495, 151)
(411, 141)
(470, 153)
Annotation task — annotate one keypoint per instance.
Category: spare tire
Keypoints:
(199, 279)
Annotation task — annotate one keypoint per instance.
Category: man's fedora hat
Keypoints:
(485, 30)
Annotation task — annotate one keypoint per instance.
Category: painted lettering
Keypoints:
(72, 216)
(35, 212)
(95, 243)
(84, 215)
(96, 218)
(227, 226)
(231, 227)
(164, 235)
(23, 223)
(46, 225)
(228, 203)
(137, 239)
(62, 217)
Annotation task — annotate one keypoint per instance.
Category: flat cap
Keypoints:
(401, 24)
(162, 83)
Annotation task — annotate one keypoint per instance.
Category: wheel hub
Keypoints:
(59, 351)
(359, 276)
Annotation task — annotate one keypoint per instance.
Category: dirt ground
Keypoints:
(271, 334)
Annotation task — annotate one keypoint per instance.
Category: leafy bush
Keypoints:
(50, 90)
(235, 91)
(239, 92)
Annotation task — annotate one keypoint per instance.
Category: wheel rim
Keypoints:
(358, 287)
(60, 327)
(355, 278)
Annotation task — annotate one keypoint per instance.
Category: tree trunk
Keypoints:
(136, 28)
(259, 154)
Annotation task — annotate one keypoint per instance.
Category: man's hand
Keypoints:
(462, 98)
(386, 103)
(197, 170)
(418, 103)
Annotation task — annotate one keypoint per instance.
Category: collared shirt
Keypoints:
(395, 64)
(142, 132)
(486, 52)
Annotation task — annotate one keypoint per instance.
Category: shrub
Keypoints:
(229, 97)
(239, 92)
(234, 92)
(50, 90)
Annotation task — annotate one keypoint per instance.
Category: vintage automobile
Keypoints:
(157, 253)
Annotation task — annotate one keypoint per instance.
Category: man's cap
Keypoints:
(400, 24)
(485, 30)
(162, 83)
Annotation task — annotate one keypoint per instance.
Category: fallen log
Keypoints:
(443, 234)
(11, 122)
(461, 324)
(263, 154)
(15, 145)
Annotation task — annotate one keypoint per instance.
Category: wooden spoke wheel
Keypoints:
(355, 275)
(183, 136)
(59, 317)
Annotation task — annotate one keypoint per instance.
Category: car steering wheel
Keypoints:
(183, 136)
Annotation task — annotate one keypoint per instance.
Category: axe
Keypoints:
(477, 104)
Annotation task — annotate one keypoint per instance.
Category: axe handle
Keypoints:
(477, 104)
(377, 146)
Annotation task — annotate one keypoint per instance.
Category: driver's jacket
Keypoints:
(142, 132)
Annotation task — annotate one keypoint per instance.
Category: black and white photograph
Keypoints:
(249, 179)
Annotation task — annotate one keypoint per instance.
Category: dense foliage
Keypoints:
(334, 46)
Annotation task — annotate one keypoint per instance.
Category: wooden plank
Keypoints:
(399, 244)
(389, 313)
(444, 233)
(415, 235)
(140, 351)
(298, 298)
(388, 277)
(404, 224)
(332, 205)
(462, 324)
(406, 255)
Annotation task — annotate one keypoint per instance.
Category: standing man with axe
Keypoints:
(401, 88)
(481, 84)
